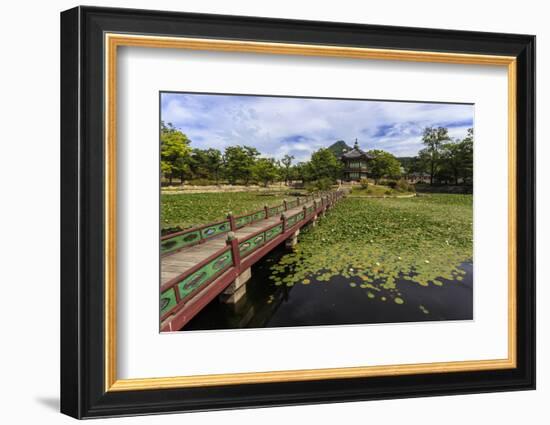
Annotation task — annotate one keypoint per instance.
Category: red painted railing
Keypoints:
(176, 293)
(174, 242)
(196, 235)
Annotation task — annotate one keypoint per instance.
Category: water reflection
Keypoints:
(335, 302)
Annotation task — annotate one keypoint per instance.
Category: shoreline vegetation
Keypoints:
(244, 180)
(189, 208)
(443, 161)
(184, 210)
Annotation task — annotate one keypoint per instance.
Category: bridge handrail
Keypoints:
(196, 235)
(219, 262)
(172, 290)
(193, 236)
(240, 220)
(291, 204)
(274, 210)
(293, 219)
(256, 244)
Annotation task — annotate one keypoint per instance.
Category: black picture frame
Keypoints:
(83, 392)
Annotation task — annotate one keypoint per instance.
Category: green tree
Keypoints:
(450, 163)
(383, 164)
(174, 152)
(265, 171)
(433, 138)
(300, 171)
(456, 162)
(467, 154)
(239, 162)
(286, 167)
(323, 164)
(198, 163)
(415, 165)
(215, 163)
(206, 163)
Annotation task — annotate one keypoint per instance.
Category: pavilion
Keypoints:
(355, 163)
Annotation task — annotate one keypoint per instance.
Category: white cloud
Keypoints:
(277, 126)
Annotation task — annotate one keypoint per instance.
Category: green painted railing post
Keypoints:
(233, 242)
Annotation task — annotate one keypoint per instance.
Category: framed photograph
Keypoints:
(261, 212)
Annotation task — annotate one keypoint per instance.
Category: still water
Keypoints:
(334, 302)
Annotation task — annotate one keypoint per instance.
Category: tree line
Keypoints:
(442, 158)
(239, 164)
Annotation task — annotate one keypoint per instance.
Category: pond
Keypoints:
(335, 302)
(366, 261)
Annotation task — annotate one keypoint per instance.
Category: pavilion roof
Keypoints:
(356, 153)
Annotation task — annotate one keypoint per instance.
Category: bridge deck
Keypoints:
(175, 264)
(193, 275)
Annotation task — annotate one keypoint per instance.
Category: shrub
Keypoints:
(323, 184)
(318, 185)
(310, 187)
(404, 186)
(364, 183)
(388, 192)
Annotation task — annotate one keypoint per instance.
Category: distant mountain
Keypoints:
(338, 148)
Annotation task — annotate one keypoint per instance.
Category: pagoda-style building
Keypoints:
(355, 163)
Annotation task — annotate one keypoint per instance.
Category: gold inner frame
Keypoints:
(113, 41)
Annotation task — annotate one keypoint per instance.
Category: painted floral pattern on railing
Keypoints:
(193, 282)
(205, 274)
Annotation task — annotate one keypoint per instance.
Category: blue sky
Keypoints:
(283, 125)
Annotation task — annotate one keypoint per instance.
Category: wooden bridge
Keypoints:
(201, 263)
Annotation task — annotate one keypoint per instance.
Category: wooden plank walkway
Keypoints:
(177, 263)
(192, 276)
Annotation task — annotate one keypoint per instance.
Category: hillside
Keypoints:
(338, 147)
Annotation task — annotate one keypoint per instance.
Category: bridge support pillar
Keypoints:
(314, 221)
(293, 239)
(237, 289)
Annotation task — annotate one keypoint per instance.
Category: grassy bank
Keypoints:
(377, 191)
(192, 209)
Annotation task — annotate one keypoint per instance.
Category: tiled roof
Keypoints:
(356, 153)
